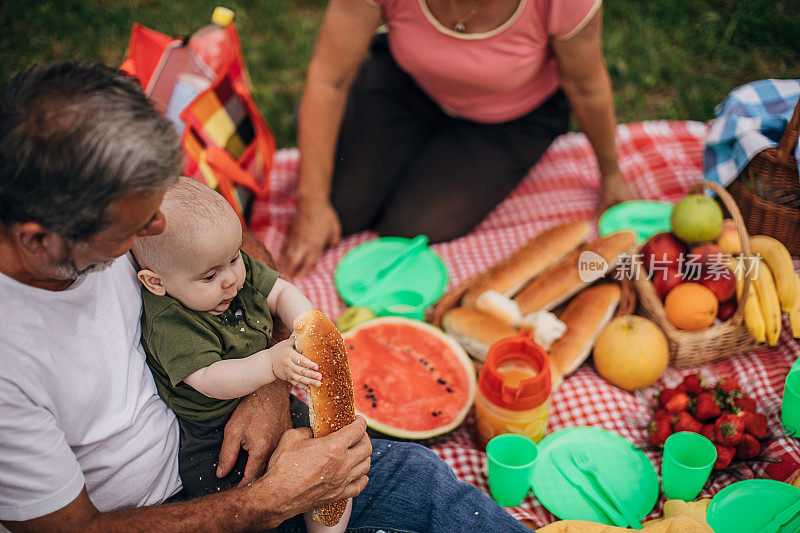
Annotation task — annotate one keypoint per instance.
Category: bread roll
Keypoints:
(562, 281)
(585, 317)
(541, 251)
(499, 306)
(475, 330)
(331, 404)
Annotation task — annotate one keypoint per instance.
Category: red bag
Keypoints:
(227, 143)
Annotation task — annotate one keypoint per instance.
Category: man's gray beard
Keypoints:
(67, 269)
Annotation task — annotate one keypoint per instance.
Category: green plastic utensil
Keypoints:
(688, 458)
(624, 469)
(511, 461)
(644, 217)
(751, 505)
(392, 276)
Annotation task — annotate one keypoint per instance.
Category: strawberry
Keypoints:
(658, 431)
(748, 448)
(729, 430)
(705, 408)
(745, 403)
(686, 422)
(666, 395)
(727, 385)
(708, 432)
(679, 402)
(694, 384)
(755, 424)
(724, 456)
(662, 414)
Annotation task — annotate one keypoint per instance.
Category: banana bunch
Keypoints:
(774, 289)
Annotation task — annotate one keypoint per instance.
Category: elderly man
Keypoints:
(85, 442)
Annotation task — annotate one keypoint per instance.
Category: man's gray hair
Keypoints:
(75, 136)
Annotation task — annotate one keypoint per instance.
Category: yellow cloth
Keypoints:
(679, 517)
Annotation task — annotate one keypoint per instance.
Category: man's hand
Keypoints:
(310, 473)
(314, 227)
(256, 425)
(613, 190)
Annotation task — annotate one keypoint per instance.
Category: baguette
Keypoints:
(330, 405)
(475, 330)
(585, 317)
(540, 252)
(562, 281)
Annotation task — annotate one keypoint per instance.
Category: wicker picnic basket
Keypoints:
(690, 348)
(768, 190)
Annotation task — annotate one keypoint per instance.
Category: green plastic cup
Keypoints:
(790, 408)
(510, 469)
(688, 459)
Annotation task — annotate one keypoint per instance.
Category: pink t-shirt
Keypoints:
(487, 77)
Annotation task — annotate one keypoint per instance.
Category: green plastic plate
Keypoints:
(644, 217)
(749, 505)
(409, 281)
(795, 366)
(625, 469)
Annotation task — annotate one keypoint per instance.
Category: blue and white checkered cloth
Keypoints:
(749, 120)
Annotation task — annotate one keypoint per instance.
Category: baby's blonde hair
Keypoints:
(189, 207)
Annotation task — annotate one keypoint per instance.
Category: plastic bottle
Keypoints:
(513, 390)
(211, 43)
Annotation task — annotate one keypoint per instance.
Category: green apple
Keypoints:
(697, 218)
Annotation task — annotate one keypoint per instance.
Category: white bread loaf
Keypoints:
(540, 252)
(585, 316)
(562, 281)
(330, 405)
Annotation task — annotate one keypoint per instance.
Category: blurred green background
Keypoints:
(669, 59)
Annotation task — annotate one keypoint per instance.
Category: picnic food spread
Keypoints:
(533, 318)
(331, 405)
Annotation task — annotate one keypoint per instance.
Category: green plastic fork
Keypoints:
(585, 464)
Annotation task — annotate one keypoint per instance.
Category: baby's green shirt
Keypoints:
(178, 341)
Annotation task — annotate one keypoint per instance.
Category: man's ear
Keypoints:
(152, 281)
(33, 237)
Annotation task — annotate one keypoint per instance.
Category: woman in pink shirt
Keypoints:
(446, 115)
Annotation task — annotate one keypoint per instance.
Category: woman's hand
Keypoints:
(613, 190)
(315, 226)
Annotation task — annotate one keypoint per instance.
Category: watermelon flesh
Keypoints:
(410, 380)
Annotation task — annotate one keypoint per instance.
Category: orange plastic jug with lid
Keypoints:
(513, 390)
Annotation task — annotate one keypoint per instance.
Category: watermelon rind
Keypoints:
(435, 434)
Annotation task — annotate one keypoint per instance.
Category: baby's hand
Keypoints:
(290, 365)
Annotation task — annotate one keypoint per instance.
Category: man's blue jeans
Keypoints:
(411, 489)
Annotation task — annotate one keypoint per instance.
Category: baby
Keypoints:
(207, 325)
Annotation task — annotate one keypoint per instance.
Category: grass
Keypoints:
(668, 59)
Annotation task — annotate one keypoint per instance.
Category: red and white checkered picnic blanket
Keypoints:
(661, 160)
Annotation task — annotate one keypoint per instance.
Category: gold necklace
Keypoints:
(459, 24)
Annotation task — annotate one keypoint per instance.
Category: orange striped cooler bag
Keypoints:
(206, 92)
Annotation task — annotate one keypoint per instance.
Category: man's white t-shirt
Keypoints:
(77, 402)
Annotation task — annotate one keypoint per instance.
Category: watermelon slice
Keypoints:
(410, 380)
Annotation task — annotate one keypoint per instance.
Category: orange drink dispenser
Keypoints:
(513, 390)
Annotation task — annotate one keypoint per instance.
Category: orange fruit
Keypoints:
(691, 306)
